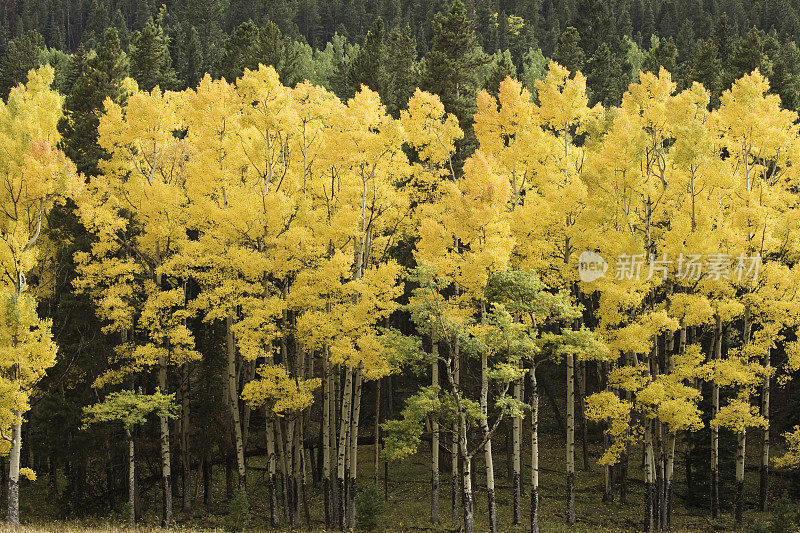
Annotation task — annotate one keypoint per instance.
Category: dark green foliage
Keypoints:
(662, 53)
(595, 24)
(151, 64)
(451, 69)
(401, 62)
(705, 68)
(370, 509)
(250, 45)
(369, 65)
(569, 53)
(748, 55)
(100, 77)
(500, 68)
(785, 515)
(23, 55)
(607, 80)
(187, 56)
(238, 511)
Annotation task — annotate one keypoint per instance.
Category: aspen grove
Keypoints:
(325, 249)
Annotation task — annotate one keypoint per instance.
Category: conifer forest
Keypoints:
(400, 265)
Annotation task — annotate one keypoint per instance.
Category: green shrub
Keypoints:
(370, 509)
(785, 515)
(238, 511)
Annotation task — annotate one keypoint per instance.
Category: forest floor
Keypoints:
(408, 506)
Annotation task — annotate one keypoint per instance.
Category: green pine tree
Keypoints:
(101, 78)
(187, 56)
(569, 53)
(451, 70)
(24, 54)
(249, 46)
(662, 53)
(369, 65)
(607, 79)
(151, 64)
(401, 66)
(500, 68)
(706, 68)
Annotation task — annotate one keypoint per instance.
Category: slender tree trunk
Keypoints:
(292, 458)
(454, 492)
(208, 473)
(186, 459)
(660, 503)
(669, 476)
(248, 372)
(487, 450)
(233, 399)
(581, 386)
(377, 457)
(131, 477)
(304, 475)
(714, 429)
(326, 441)
(354, 422)
(738, 499)
(333, 438)
(534, 452)
(763, 470)
(343, 455)
(389, 414)
(285, 479)
(466, 459)
(14, 457)
(271, 468)
(570, 439)
(435, 441)
(166, 474)
(516, 451)
(649, 489)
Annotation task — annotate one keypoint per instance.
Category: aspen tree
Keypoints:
(36, 176)
(562, 198)
(131, 408)
(359, 201)
(137, 213)
(225, 259)
(433, 135)
(637, 192)
(513, 130)
(467, 241)
(757, 134)
(510, 133)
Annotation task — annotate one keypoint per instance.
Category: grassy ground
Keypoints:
(409, 497)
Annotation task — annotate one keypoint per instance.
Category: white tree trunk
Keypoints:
(343, 455)
(763, 471)
(570, 439)
(738, 499)
(131, 477)
(354, 420)
(714, 429)
(487, 450)
(534, 452)
(435, 441)
(166, 472)
(649, 477)
(14, 457)
(233, 399)
(516, 451)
